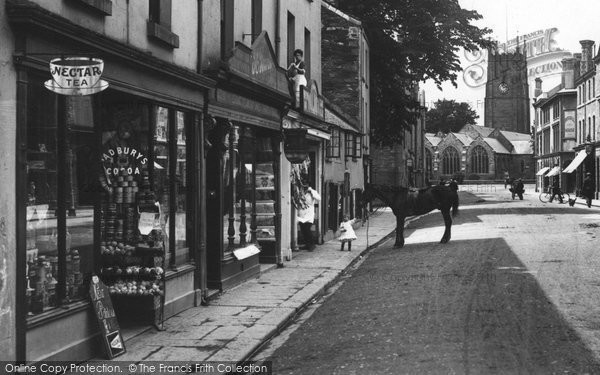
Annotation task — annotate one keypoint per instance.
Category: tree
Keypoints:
(449, 116)
(411, 41)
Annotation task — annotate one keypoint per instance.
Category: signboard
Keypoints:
(311, 102)
(76, 76)
(570, 127)
(102, 304)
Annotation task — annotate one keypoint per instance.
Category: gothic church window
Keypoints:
(450, 161)
(479, 160)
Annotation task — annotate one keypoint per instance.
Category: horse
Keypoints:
(405, 202)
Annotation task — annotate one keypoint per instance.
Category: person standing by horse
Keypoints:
(518, 189)
(306, 214)
(587, 189)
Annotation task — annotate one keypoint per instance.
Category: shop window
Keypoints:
(333, 145)
(249, 180)
(170, 177)
(61, 192)
(86, 172)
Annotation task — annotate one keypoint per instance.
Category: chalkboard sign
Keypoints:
(111, 336)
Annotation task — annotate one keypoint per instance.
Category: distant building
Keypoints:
(555, 129)
(478, 153)
(507, 92)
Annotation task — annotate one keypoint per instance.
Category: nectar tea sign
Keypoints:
(76, 76)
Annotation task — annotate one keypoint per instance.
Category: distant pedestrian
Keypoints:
(306, 214)
(348, 234)
(587, 189)
(556, 190)
(506, 179)
(517, 188)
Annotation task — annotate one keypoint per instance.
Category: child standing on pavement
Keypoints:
(348, 234)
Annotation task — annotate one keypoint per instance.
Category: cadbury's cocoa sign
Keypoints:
(76, 76)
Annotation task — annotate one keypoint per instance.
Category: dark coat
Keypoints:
(588, 185)
(519, 187)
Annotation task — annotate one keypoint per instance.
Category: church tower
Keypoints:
(507, 92)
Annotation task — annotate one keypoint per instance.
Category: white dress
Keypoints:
(348, 234)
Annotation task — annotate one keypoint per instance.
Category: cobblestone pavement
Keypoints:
(515, 291)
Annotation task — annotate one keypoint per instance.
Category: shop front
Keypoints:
(587, 161)
(108, 186)
(243, 164)
(305, 164)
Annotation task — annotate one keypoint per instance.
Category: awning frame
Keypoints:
(581, 155)
(542, 171)
(555, 171)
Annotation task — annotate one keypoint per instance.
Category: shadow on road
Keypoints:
(467, 307)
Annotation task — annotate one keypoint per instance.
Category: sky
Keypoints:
(575, 20)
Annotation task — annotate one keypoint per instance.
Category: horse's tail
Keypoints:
(455, 205)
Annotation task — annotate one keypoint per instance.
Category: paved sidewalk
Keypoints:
(240, 320)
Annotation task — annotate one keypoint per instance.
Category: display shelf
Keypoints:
(132, 262)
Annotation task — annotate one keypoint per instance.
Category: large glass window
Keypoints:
(249, 188)
(450, 161)
(86, 170)
(171, 178)
(479, 160)
(61, 193)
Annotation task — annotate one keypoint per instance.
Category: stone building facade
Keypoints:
(507, 92)
(478, 153)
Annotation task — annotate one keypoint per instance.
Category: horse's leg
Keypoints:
(448, 223)
(399, 231)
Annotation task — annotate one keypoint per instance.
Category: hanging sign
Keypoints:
(103, 307)
(76, 76)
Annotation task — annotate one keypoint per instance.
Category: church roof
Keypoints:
(513, 136)
(484, 131)
(496, 146)
(465, 139)
(433, 139)
(522, 147)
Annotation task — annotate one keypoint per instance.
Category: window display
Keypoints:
(102, 186)
(250, 188)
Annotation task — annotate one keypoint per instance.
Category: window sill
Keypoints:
(57, 313)
(101, 6)
(162, 34)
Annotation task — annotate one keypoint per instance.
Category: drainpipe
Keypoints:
(199, 38)
(277, 37)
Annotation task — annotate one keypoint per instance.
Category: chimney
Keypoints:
(568, 73)
(577, 64)
(538, 87)
(586, 55)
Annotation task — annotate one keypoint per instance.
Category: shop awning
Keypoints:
(553, 172)
(542, 171)
(575, 163)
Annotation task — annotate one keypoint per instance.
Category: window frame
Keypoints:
(159, 23)
(333, 144)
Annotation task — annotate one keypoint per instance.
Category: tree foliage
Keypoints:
(411, 41)
(449, 116)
